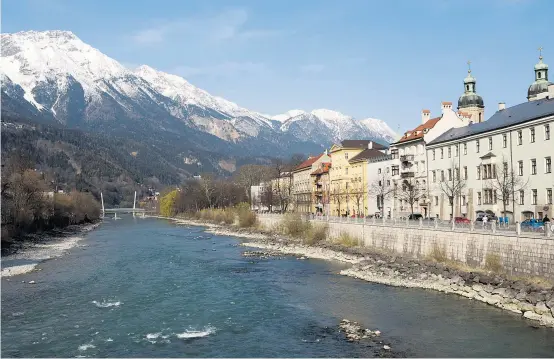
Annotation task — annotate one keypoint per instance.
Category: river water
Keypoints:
(149, 288)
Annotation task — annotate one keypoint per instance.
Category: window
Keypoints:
(532, 134)
(442, 176)
(534, 198)
(388, 169)
(346, 170)
(449, 174)
(465, 172)
(434, 176)
(520, 167)
(546, 132)
(478, 198)
(490, 143)
(547, 165)
(465, 148)
(346, 155)
(395, 170)
(379, 171)
(456, 153)
(505, 169)
(388, 182)
(533, 166)
(489, 197)
(519, 138)
(442, 153)
(521, 197)
(549, 195)
(449, 151)
(504, 141)
(433, 155)
(478, 172)
(477, 146)
(464, 200)
(436, 200)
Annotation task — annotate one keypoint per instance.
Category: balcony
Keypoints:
(407, 174)
(406, 158)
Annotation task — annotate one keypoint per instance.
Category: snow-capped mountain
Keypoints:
(333, 125)
(57, 77)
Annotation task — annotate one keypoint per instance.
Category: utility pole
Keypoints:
(102, 200)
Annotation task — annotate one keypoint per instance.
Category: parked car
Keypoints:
(415, 216)
(461, 220)
(532, 224)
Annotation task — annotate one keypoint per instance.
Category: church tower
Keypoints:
(539, 88)
(470, 102)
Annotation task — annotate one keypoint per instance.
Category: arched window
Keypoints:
(480, 116)
(539, 74)
(467, 87)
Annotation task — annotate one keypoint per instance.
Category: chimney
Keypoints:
(370, 145)
(501, 106)
(425, 115)
(446, 105)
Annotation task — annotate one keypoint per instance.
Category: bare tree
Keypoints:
(506, 184)
(268, 197)
(251, 175)
(410, 192)
(453, 186)
(338, 195)
(208, 187)
(381, 189)
(357, 194)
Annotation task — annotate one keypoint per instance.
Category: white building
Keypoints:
(515, 142)
(407, 161)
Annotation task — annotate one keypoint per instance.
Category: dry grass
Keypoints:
(347, 240)
(247, 218)
(294, 226)
(438, 254)
(493, 263)
(316, 234)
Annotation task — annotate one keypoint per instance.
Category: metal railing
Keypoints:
(491, 227)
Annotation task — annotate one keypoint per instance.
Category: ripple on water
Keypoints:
(107, 304)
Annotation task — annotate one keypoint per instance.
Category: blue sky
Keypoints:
(383, 59)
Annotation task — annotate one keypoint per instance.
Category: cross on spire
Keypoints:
(540, 53)
(468, 66)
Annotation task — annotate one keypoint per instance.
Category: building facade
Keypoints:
(321, 189)
(303, 196)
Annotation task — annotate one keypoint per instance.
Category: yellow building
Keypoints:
(348, 176)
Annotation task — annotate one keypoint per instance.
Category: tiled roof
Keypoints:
(361, 144)
(308, 163)
(510, 116)
(366, 154)
(418, 132)
(322, 170)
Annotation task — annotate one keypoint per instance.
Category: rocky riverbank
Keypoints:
(36, 248)
(531, 301)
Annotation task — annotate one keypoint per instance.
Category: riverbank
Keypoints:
(33, 249)
(533, 301)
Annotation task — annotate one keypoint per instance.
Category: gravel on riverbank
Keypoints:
(40, 247)
(531, 301)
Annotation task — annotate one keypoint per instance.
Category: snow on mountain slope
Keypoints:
(55, 74)
(289, 114)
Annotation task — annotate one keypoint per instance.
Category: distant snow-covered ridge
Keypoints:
(56, 75)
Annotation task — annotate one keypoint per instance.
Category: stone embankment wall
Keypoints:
(517, 255)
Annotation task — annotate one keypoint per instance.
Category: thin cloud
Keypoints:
(225, 26)
(312, 68)
(227, 69)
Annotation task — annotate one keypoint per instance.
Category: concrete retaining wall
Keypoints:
(518, 255)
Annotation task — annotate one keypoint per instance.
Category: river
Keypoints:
(150, 288)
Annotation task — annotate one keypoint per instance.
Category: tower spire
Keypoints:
(468, 67)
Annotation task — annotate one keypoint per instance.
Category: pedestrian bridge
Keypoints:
(115, 211)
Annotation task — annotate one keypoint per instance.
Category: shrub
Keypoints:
(347, 240)
(493, 263)
(167, 204)
(317, 234)
(438, 254)
(247, 218)
(293, 225)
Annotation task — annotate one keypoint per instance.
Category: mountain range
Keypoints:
(54, 77)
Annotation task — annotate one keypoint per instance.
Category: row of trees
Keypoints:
(499, 179)
(29, 204)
